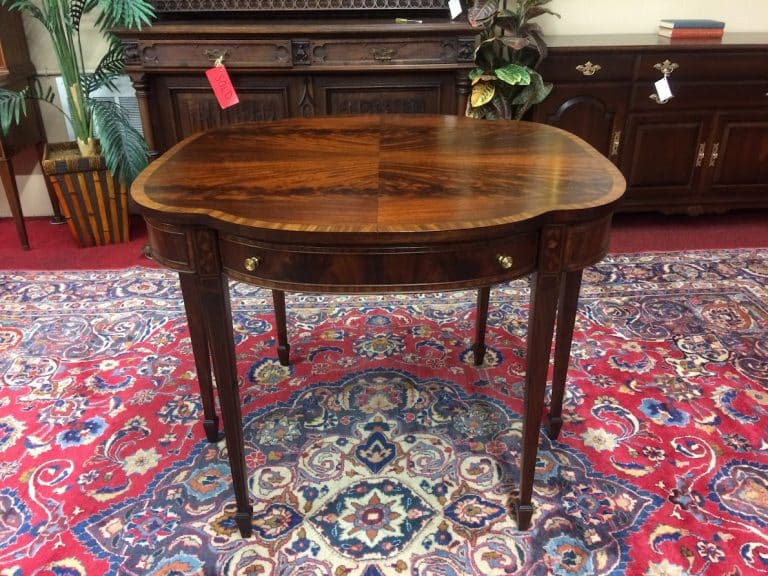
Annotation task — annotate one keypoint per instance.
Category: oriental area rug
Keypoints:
(382, 449)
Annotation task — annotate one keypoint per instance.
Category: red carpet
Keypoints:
(52, 248)
(382, 450)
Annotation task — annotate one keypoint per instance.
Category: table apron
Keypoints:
(380, 268)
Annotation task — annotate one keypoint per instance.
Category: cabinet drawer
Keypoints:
(688, 95)
(203, 54)
(583, 67)
(329, 268)
(351, 52)
(705, 65)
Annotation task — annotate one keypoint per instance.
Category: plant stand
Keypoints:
(93, 202)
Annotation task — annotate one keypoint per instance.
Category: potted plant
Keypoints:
(91, 177)
(505, 83)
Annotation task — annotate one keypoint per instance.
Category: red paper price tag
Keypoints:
(222, 86)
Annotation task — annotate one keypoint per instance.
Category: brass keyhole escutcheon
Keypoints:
(252, 263)
(506, 261)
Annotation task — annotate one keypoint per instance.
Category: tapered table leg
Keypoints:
(483, 295)
(544, 291)
(283, 348)
(197, 333)
(566, 320)
(214, 296)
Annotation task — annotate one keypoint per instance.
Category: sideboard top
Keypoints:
(655, 42)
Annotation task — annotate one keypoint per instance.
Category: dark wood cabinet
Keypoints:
(704, 150)
(283, 67)
(596, 115)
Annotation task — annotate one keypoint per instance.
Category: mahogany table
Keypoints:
(373, 204)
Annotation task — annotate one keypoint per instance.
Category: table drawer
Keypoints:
(367, 269)
(203, 54)
(352, 52)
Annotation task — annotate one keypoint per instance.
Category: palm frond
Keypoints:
(76, 11)
(123, 147)
(124, 13)
(107, 71)
(21, 5)
(13, 105)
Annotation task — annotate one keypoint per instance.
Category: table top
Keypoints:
(377, 174)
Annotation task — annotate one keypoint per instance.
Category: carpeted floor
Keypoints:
(382, 449)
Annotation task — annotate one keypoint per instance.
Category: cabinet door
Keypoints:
(595, 113)
(407, 93)
(186, 104)
(737, 162)
(663, 158)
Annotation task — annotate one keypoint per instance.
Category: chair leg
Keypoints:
(483, 295)
(283, 348)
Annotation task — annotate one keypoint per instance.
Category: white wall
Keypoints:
(577, 17)
(642, 16)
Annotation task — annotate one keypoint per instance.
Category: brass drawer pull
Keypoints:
(252, 263)
(216, 56)
(589, 69)
(383, 54)
(656, 99)
(700, 155)
(666, 67)
(615, 143)
(506, 261)
(715, 154)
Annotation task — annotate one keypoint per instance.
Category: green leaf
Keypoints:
(107, 71)
(123, 147)
(532, 94)
(13, 105)
(476, 73)
(501, 106)
(124, 13)
(21, 5)
(514, 75)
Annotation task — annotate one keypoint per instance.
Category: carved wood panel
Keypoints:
(174, 6)
(187, 105)
(385, 94)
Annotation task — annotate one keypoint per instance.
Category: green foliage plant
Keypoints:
(505, 83)
(100, 126)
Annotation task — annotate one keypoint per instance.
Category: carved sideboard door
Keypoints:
(284, 68)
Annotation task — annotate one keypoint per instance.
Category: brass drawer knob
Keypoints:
(252, 263)
(506, 261)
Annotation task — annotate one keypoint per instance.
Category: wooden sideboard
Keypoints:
(286, 68)
(704, 150)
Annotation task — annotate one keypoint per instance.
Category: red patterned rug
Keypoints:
(382, 449)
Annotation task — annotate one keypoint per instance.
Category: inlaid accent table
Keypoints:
(374, 204)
